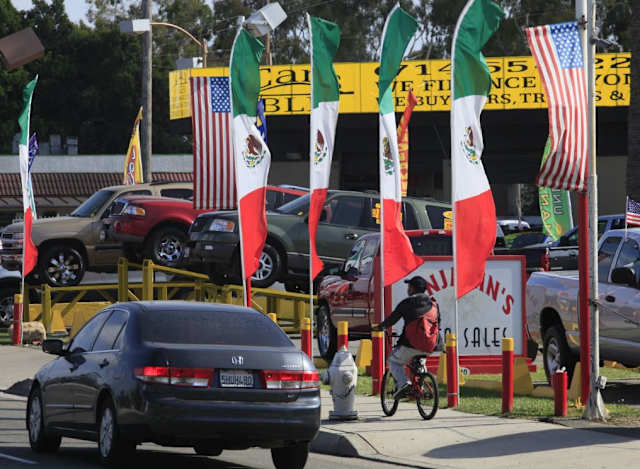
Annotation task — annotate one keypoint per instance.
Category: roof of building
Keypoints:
(74, 184)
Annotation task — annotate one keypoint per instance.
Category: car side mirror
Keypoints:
(54, 347)
(623, 276)
(106, 213)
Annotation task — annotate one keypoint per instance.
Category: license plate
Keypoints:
(236, 379)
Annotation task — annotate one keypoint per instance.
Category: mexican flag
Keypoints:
(133, 161)
(474, 209)
(325, 95)
(252, 157)
(30, 252)
(398, 257)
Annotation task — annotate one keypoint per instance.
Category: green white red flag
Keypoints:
(325, 96)
(397, 253)
(252, 157)
(474, 208)
(30, 252)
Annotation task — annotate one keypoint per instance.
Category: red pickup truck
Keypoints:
(156, 227)
(349, 295)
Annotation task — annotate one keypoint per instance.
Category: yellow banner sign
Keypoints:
(516, 85)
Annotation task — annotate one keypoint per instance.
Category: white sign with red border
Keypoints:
(487, 314)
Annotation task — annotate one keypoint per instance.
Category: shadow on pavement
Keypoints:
(517, 443)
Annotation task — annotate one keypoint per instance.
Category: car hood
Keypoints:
(47, 223)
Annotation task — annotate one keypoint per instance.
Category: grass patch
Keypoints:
(609, 372)
(483, 401)
(5, 339)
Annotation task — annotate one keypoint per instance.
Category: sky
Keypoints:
(76, 9)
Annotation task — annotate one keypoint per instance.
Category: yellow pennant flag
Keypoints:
(133, 161)
(403, 142)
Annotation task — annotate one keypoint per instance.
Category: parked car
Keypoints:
(156, 227)
(9, 286)
(552, 309)
(349, 294)
(530, 238)
(68, 246)
(347, 215)
(209, 376)
(513, 225)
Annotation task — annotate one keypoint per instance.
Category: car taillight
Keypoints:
(545, 263)
(284, 379)
(175, 376)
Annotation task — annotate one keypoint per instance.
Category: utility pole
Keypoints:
(147, 7)
(594, 409)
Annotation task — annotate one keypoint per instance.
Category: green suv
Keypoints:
(213, 244)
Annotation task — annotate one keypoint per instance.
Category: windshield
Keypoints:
(93, 204)
(299, 206)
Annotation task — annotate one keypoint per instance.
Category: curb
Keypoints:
(336, 443)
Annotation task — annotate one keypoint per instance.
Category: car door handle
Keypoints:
(104, 363)
(351, 236)
(610, 298)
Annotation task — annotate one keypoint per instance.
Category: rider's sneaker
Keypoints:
(402, 392)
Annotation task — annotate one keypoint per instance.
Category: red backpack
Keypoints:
(422, 333)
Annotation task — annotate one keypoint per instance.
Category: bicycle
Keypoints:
(424, 389)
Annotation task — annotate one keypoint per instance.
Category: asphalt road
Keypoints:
(16, 453)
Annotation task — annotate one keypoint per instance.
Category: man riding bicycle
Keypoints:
(415, 306)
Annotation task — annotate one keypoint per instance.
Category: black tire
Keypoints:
(268, 271)
(387, 390)
(205, 450)
(165, 246)
(556, 353)
(62, 266)
(290, 457)
(6, 305)
(38, 439)
(112, 448)
(327, 334)
(427, 401)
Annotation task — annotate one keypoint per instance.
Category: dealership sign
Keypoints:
(486, 315)
(515, 85)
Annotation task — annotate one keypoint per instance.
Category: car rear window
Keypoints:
(432, 245)
(436, 215)
(219, 327)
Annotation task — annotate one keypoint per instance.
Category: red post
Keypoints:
(377, 362)
(452, 371)
(248, 292)
(559, 383)
(305, 336)
(17, 319)
(583, 283)
(343, 334)
(507, 375)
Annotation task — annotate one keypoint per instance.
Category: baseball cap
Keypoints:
(417, 282)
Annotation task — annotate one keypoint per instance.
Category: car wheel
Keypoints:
(327, 334)
(6, 305)
(62, 266)
(38, 439)
(556, 353)
(165, 246)
(290, 457)
(111, 446)
(268, 270)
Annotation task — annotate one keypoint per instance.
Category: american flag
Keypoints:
(214, 186)
(632, 216)
(557, 51)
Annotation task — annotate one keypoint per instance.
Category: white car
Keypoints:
(511, 225)
(9, 285)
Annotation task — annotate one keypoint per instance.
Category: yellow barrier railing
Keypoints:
(57, 315)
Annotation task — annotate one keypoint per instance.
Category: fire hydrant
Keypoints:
(342, 376)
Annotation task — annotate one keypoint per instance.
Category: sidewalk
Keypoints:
(20, 363)
(457, 440)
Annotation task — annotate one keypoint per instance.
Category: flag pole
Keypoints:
(311, 189)
(594, 409)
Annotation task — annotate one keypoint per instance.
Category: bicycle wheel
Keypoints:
(427, 396)
(389, 388)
